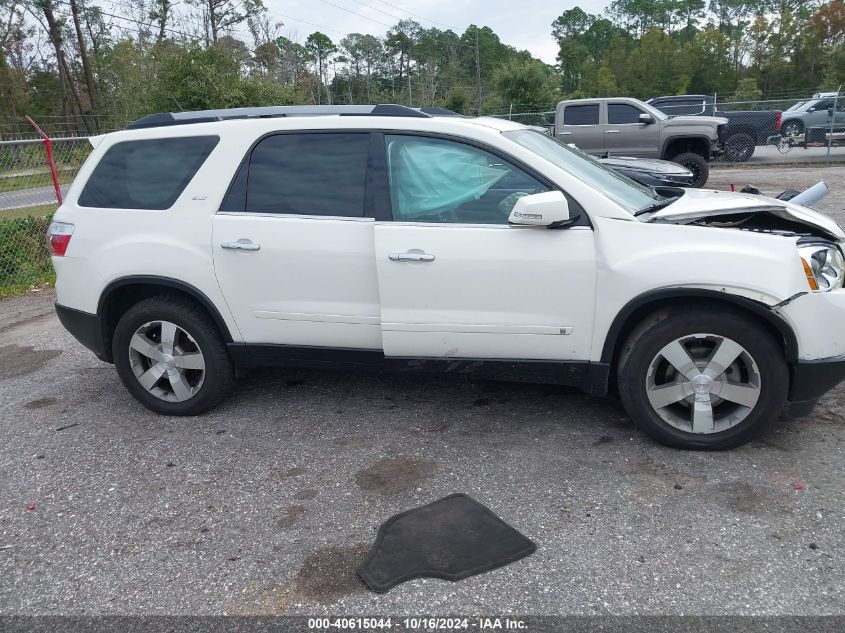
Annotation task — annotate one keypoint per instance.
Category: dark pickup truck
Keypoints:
(746, 129)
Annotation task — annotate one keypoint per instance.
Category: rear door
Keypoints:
(581, 124)
(293, 248)
(624, 133)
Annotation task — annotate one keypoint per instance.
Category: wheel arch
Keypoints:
(641, 306)
(675, 145)
(122, 293)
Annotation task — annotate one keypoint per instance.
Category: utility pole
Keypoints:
(477, 75)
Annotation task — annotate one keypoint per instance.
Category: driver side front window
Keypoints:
(441, 181)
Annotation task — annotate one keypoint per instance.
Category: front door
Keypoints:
(293, 250)
(625, 135)
(456, 281)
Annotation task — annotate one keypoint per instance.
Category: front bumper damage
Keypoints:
(809, 380)
(815, 319)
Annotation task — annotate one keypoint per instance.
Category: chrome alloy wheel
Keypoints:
(703, 383)
(167, 361)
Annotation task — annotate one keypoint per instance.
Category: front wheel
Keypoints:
(170, 356)
(739, 147)
(702, 378)
(697, 165)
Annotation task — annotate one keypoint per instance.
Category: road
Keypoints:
(28, 197)
(769, 155)
(266, 505)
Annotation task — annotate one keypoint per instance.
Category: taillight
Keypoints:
(58, 236)
(778, 120)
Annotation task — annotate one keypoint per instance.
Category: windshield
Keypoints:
(630, 195)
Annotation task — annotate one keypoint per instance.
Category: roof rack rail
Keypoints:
(162, 119)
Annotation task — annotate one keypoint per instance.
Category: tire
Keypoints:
(193, 378)
(740, 147)
(647, 380)
(697, 165)
(792, 128)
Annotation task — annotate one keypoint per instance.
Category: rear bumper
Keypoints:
(86, 328)
(810, 380)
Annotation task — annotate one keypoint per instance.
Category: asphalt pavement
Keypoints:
(31, 197)
(267, 504)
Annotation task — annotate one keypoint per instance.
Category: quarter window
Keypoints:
(308, 174)
(622, 114)
(145, 174)
(581, 114)
(437, 180)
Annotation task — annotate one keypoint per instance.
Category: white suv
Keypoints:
(389, 238)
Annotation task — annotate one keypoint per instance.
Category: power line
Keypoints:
(418, 16)
(360, 15)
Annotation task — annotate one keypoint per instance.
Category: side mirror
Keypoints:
(646, 118)
(811, 109)
(549, 209)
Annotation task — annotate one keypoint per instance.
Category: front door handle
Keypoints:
(241, 246)
(611, 132)
(411, 257)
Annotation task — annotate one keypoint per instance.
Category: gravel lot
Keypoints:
(266, 505)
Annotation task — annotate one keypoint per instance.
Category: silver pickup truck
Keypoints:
(623, 126)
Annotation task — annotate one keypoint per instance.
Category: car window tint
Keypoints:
(308, 174)
(622, 113)
(145, 174)
(823, 105)
(437, 180)
(581, 114)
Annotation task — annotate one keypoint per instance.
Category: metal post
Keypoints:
(48, 148)
(510, 112)
(833, 121)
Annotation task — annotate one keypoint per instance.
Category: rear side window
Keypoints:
(308, 174)
(147, 174)
(581, 114)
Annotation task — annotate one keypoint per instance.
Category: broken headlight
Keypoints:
(824, 266)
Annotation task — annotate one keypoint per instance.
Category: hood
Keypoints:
(746, 210)
(663, 167)
(699, 120)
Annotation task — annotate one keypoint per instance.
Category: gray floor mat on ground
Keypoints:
(451, 538)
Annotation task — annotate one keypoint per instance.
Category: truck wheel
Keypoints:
(170, 356)
(697, 165)
(739, 147)
(702, 378)
(792, 128)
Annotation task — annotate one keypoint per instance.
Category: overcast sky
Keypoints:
(524, 24)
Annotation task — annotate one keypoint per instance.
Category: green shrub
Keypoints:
(24, 255)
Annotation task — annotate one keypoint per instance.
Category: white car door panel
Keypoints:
(490, 292)
(313, 282)
(293, 253)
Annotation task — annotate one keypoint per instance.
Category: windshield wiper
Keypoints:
(656, 206)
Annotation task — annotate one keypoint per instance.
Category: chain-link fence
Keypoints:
(28, 199)
(785, 130)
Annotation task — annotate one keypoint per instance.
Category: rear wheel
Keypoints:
(702, 379)
(739, 147)
(170, 356)
(697, 165)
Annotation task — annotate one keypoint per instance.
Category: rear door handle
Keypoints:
(411, 257)
(241, 246)
(611, 131)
